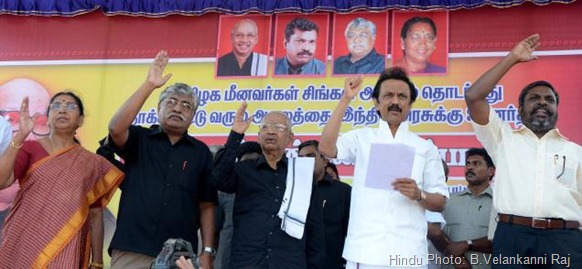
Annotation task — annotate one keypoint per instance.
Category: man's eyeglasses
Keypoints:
(173, 102)
(13, 117)
(429, 38)
(59, 105)
(278, 127)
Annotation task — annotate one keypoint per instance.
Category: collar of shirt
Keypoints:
(157, 130)
(488, 191)
(263, 161)
(526, 131)
(400, 132)
(327, 180)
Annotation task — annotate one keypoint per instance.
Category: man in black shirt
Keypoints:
(258, 240)
(166, 192)
(335, 203)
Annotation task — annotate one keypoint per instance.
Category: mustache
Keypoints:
(541, 107)
(469, 173)
(361, 44)
(177, 115)
(306, 53)
(395, 107)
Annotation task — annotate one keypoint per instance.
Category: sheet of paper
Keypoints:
(388, 162)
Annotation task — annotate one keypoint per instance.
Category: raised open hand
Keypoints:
(524, 50)
(352, 86)
(26, 122)
(240, 125)
(156, 73)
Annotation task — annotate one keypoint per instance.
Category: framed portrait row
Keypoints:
(287, 45)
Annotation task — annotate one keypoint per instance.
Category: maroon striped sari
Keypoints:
(48, 226)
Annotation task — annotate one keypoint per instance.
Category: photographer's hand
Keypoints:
(182, 263)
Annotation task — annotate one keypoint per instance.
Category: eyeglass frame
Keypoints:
(277, 127)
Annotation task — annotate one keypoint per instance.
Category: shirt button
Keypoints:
(272, 216)
(171, 165)
(276, 200)
(269, 250)
(277, 187)
(270, 233)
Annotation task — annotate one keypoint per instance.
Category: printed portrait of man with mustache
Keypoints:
(362, 58)
(300, 44)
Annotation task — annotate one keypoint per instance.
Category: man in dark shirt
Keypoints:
(166, 192)
(258, 240)
(242, 61)
(363, 59)
(335, 203)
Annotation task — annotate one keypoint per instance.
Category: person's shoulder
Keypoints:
(341, 59)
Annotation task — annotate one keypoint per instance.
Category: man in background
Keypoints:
(467, 214)
(335, 203)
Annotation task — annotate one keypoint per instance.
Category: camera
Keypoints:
(171, 252)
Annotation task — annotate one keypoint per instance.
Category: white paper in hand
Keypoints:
(388, 162)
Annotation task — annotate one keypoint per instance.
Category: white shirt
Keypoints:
(385, 226)
(5, 134)
(527, 170)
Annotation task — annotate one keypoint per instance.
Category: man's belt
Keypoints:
(539, 223)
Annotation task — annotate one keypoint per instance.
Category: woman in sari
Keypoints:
(57, 217)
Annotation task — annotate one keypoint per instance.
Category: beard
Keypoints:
(537, 125)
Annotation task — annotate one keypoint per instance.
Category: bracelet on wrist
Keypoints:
(14, 146)
(98, 265)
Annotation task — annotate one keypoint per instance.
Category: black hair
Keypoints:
(534, 84)
(414, 20)
(72, 95)
(301, 24)
(397, 73)
(480, 152)
(307, 144)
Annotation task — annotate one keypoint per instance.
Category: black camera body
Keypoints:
(171, 252)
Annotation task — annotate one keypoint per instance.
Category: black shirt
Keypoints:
(163, 187)
(335, 201)
(228, 66)
(258, 241)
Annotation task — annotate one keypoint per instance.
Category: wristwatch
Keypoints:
(210, 251)
(470, 243)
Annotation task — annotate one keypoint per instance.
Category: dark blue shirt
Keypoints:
(163, 187)
(373, 63)
(313, 67)
(258, 241)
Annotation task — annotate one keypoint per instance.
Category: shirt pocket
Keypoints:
(564, 168)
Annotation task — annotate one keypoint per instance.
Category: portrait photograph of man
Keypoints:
(243, 46)
(420, 42)
(301, 44)
(359, 43)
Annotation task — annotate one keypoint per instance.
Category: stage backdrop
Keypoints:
(105, 59)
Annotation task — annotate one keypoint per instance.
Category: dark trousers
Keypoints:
(515, 245)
